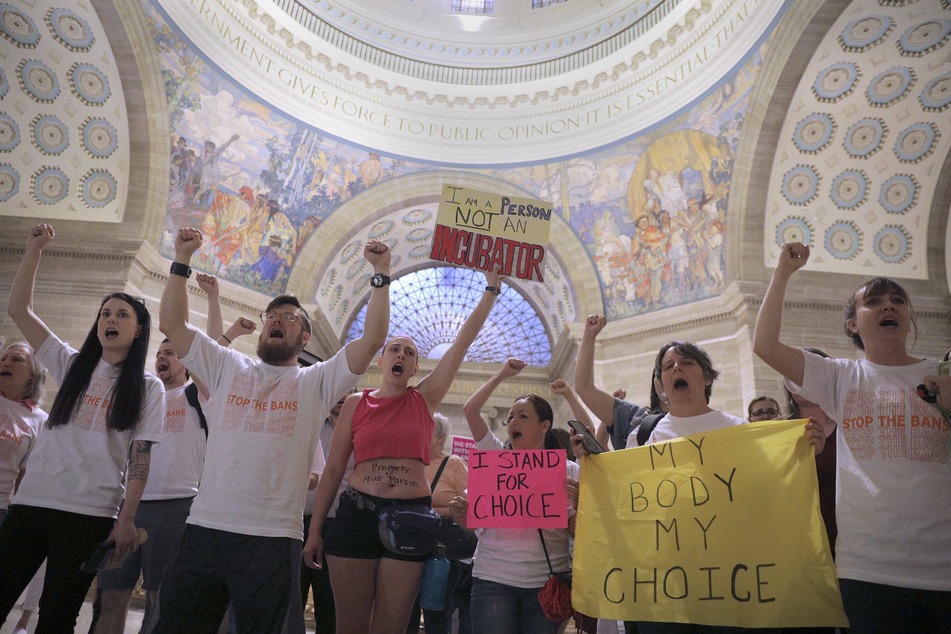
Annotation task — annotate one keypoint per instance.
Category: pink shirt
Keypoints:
(395, 427)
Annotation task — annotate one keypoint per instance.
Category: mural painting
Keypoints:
(652, 211)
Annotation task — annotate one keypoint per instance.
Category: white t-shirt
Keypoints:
(893, 479)
(79, 467)
(20, 424)
(670, 427)
(175, 468)
(317, 469)
(263, 424)
(514, 556)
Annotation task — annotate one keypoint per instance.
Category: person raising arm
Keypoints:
(893, 550)
(100, 430)
(388, 431)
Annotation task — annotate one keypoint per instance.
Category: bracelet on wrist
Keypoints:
(178, 268)
(495, 290)
(226, 338)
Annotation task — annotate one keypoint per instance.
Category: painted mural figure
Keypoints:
(695, 256)
(653, 188)
(714, 260)
(673, 198)
(639, 283)
(612, 253)
(208, 173)
(656, 261)
(255, 230)
(679, 264)
(371, 170)
(223, 226)
(278, 247)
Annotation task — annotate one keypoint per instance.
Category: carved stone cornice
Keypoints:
(82, 254)
(424, 55)
(498, 113)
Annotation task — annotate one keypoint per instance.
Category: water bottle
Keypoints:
(432, 596)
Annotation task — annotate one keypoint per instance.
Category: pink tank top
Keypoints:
(396, 427)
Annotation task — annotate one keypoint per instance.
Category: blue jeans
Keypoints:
(502, 609)
(874, 608)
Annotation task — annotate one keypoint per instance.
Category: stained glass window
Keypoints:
(431, 305)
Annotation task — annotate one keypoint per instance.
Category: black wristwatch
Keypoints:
(378, 280)
(495, 290)
(178, 268)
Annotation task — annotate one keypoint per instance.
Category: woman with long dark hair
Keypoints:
(106, 415)
(512, 564)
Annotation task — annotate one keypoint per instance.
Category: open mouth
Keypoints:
(111, 333)
(889, 322)
(161, 367)
(398, 369)
(276, 333)
(6, 373)
(681, 384)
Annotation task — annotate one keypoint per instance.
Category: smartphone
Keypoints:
(96, 557)
(589, 442)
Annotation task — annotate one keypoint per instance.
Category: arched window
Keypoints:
(430, 306)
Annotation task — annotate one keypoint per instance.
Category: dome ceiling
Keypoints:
(64, 141)
(855, 172)
(864, 142)
(422, 87)
(513, 35)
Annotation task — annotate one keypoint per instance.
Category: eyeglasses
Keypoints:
(765, 413)
(288, 316)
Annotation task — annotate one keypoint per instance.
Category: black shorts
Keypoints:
(355, 531)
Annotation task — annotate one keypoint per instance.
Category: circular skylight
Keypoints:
(431, 305)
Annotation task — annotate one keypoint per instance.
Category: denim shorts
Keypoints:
(355, 531)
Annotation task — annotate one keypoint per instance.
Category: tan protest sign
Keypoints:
(484, 231)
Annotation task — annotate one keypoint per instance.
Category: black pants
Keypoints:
(258, 575)
(31, 534)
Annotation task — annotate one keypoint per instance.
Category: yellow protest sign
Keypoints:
(720, 528)
(481, 230)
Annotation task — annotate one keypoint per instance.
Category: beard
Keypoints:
(277, 353)
(170, 376)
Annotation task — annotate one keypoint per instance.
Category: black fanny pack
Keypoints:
(405, 529)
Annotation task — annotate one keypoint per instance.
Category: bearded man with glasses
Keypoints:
(244, 536)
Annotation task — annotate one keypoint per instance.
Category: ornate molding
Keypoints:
(78, 252)
(482, 64)
(878, 150)
(517, 115)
